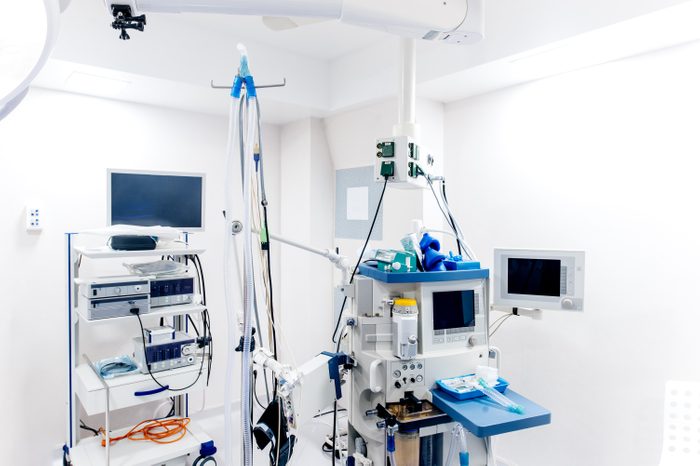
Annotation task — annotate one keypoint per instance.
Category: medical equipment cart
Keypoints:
(96, 395)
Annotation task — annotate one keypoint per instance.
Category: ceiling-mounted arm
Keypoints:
(25, 51)
(406, 125)
(452, 21)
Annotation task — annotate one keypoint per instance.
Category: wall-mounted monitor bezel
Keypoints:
(202, 176)
(571, 277)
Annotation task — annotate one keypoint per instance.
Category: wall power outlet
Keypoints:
(34, 221)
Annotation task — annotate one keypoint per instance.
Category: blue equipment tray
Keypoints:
(484, 418)
(466, 395)
(418, 277)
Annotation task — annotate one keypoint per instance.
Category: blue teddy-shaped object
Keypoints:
(432, 258)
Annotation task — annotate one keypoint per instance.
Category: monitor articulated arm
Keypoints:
(341, 262)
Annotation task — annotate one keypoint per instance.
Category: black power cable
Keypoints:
(148, 367)
(453, 224)
(445, 214)
(88, 428)
(206, 317)
(268, 251)
(269, 277)
(194, 326)
(335, 402)
(255, 392)
(342, 308)
(359, 259)
(329, 412)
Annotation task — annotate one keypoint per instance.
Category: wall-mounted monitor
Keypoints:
(532, 279)
(144, 198)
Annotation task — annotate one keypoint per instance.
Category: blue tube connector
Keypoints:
(390, 444)
(236, 88)
(463, 458)
(250, 87)
(243, 76)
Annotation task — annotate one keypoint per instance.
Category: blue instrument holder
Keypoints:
(485, 418)
(422, 277)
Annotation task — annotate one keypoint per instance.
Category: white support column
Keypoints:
(406, 125)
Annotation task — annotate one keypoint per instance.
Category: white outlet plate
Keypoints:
(34, 220)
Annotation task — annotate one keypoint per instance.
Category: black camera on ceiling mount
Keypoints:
(123, 20)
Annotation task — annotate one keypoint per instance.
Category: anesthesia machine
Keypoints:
(412, 361)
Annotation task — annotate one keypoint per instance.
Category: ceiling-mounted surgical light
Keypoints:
(27, 36)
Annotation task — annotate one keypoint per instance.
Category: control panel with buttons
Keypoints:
(407, 374)
(170, 291)
(117, 287)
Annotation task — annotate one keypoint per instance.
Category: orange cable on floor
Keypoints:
(154, 430)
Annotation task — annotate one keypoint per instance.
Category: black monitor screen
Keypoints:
(152, 199)
(540, 277)
(453, 309)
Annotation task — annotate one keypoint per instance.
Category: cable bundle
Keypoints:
(154, 430)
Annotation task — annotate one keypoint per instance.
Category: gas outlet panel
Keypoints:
(406, 375)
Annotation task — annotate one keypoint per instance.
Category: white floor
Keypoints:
(306, 452)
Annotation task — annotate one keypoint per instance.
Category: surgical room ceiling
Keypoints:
(332, 67)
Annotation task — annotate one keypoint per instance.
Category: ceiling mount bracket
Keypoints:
(124, 20)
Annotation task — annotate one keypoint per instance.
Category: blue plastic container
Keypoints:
(461, 265)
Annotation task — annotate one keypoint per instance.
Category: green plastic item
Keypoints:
(391, 260)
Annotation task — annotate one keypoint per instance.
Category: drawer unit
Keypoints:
(131, 390)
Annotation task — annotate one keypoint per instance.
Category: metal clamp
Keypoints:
(257, 86)
(347, 290)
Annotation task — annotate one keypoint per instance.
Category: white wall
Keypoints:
(55, 148)
(307, 184)
(605, 160)
(601, 159)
